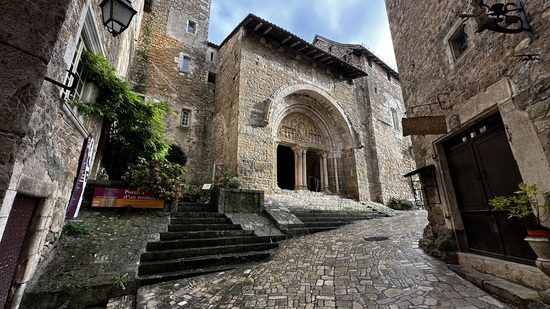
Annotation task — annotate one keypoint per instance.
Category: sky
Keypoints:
(345, 21)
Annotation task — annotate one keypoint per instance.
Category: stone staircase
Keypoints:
(200, 240)
(304, 212)
(314, 221)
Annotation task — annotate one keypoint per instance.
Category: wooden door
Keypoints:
(482, 166)
(12, 242)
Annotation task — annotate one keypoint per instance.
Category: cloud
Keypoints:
(346, 21)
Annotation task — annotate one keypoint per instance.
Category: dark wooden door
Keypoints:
(13, 238)
(482, 166)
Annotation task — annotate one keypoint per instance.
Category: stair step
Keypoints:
(323, 224)
(199, 214)
(309, 230)
(200, 221)
(208, 242)
(334, 214)
(198, 208)
(204, 251)
(166, 266)
(333, 219)
(203, 234)
(202, 227)
(169, 276)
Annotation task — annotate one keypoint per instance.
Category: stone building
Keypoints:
(282, 113)
(42, 136)
(493, 91)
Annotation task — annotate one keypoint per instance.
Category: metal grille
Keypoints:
(12, 241)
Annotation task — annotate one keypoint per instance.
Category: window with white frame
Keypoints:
(87, 41)
(191, 27)
(185, 117)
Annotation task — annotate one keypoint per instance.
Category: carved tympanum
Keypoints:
(300, 129)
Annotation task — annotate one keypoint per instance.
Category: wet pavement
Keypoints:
(369, 264)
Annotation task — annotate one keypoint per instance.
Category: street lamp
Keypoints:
(117, 15)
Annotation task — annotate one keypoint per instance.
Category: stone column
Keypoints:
(304, 168)
(297, 167)
(324, 172)
(336, 174)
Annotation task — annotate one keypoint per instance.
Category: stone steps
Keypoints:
(207, 261)
(315, 221)
(204, 251)
(200, 241)
(181, 220)
(203, 234)
(207, 242)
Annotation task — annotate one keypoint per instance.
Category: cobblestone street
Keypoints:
(333, 269)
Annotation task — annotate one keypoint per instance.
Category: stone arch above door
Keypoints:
(297, 128)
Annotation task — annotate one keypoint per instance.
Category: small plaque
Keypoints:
(207, 186)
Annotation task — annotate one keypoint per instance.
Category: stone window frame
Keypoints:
(185, 117)
(394, 116)
(459, 26)
(193, 25)
(185, 64)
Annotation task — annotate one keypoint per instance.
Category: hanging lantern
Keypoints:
(117, 15)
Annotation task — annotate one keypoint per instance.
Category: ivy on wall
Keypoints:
(133, 128)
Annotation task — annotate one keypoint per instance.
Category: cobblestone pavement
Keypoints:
(333, 269)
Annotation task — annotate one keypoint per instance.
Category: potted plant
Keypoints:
(534, 206)
(526, 203)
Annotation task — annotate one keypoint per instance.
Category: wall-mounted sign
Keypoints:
(115, 197)
(84, 166)
(424, 125)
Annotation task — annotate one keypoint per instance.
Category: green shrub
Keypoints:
(161, 177)
(195, 194)
(400, 204)
(76, 228)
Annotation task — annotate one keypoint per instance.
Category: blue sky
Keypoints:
(346, 21)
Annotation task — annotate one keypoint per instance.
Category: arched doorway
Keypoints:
(285, 168)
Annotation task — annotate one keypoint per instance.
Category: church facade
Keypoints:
(279, 112)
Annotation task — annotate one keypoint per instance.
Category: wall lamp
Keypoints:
(117, 15)
(500, 17)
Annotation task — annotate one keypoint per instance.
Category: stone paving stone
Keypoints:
(334, 269)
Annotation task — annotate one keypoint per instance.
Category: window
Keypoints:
(211, 56)
(191, 27)
(79, 75)
(148, 6)
(458, 42)
(389, 76)
(185, 117)
(186, 64)
(211, 77)
(394, 118)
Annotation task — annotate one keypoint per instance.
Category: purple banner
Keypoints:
(85, 164)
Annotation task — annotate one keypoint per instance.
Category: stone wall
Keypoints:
(490, 76)
(47, 136)
(158, 74)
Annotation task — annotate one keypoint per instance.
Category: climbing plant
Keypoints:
(133, 128)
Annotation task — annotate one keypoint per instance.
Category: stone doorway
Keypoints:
(285, 168)
(313, 166)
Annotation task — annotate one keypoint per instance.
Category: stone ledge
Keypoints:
(515, 294)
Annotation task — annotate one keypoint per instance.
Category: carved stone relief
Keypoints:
(300, 129)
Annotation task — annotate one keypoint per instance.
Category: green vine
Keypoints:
(133, 127)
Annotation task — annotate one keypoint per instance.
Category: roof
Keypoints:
(420, 170)
(278, 36)
(213, 45)
(359, 49)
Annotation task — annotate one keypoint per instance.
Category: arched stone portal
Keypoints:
(318, 135)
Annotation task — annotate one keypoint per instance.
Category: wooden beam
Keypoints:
(258, 26)
(303, 48)
(294, 44)
(267, 30)
(286, 40)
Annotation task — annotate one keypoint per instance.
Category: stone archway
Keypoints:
(320, 135)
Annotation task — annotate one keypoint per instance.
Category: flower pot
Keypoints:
(541, 246)
(539, 233)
